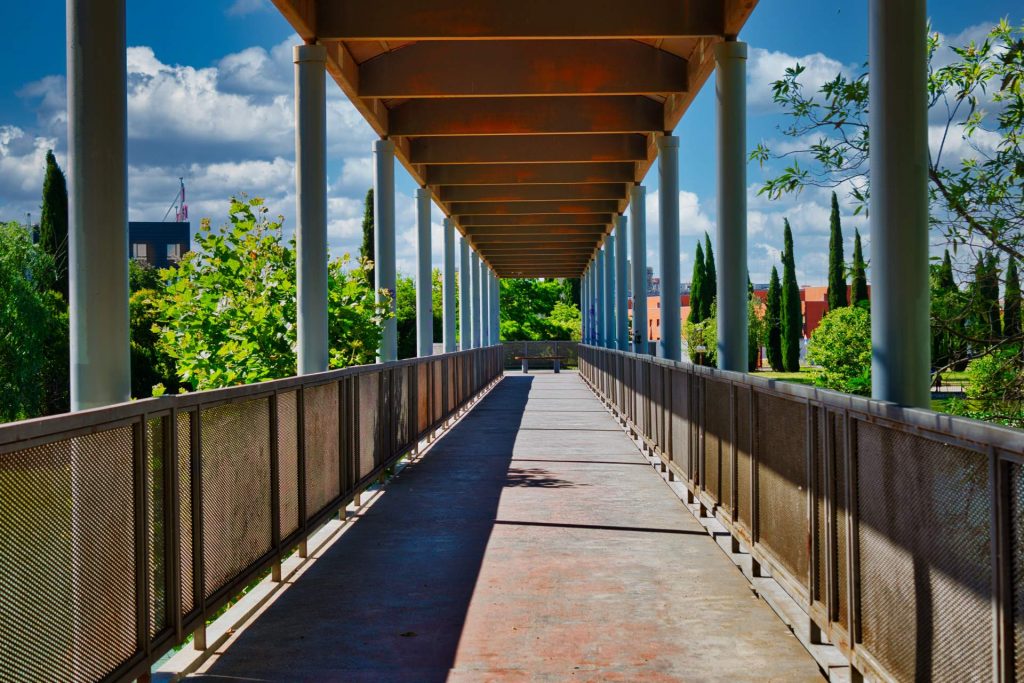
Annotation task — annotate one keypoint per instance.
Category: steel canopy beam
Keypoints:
(532, 193)
(537, 219)
(527, 115)
(506, 208)
(506, 174)
(488, 19)
(492, 149)
(532, 231)
(522, 67)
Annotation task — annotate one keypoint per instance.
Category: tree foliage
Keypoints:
(33, 330)
(541, 310)
(698, 287)
(841, 346)
(366, 249)
(836, 266)
(791, 318)
(702, 339)
(773, 322)
(53, 222)
(710, 293)
(859, 275)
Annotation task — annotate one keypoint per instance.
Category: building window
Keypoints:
(140, 251)
(174, 252)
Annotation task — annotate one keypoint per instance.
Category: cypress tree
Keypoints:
(710, 290)
(943, 289)
(836, 271)
(859, 278)
(697, 288)
(773, 316)
(792, 315)
(1012, 302)
(994, 313)
(366, 249)
(53, 223)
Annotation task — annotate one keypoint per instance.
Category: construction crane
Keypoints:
(178, 205)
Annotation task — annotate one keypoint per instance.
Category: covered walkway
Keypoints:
(532, 542)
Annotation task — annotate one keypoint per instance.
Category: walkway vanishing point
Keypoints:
(531, 543)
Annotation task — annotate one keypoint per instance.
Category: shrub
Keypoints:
(841, 346)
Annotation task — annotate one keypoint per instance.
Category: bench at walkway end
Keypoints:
(557, 360)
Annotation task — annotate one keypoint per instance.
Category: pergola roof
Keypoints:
(528, 121)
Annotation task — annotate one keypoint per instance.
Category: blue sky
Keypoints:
(210, 99)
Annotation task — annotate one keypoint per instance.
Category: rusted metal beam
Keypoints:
(533, 193)
(399, 20)
(537, 219)
(534, 239)
(506, 174)
(527, 115)
(491, 149)
(533, 230)
(507, 68)
(506, 208)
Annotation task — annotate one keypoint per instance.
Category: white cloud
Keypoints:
(240, 8)
(767, 66)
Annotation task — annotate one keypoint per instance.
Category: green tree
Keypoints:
(947, 316)
(757, 328)
(773, 320)
(53, 222)
(228, 309)
(710, 293)
(697, 287)
(704, 335)
(859, 279)
(33, 330)
(366, 249)
(841, 346)
(792, 321)
(1012, 303)
(539, 310)
(836, 265)
(151, 366)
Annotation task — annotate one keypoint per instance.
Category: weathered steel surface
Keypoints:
(532, 543)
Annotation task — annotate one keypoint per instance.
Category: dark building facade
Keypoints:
(158, 244)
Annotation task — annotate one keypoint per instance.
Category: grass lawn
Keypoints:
(805, 376)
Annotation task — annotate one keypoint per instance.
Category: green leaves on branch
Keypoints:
(841, 345)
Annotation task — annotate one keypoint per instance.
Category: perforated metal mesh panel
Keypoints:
(236, 488)
(842, 523)
(320, 412)
(819, 453)
(67, 565)
(716, 438)
(184, 428)
(681, 421)
(925, 598)
(743, 451)
(422, 412)
(288, 461)
(657, 393)
(782, 482)
(156, 560)
(401, 412)
(1017, 566)
(438, 406)
(369, 392)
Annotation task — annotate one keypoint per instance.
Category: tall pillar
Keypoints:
(609, 293)
(465, 306)
(583, 304)
(384, 241)
(670, 344)
(901, 355)
(485, 304)
(495, 308)
(474, 299)
(98, 204)
(621, 288)
(638, 254)
(424, 283)
(731, 91)
(599, 336)
(448, 286)
(311, 206)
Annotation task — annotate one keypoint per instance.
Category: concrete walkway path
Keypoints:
(532, 543)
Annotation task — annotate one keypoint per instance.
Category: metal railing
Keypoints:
(123, 529)
(899, 531)
(566, 349)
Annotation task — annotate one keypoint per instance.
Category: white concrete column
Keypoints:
(485, 304)
(384, 241)
(583, 304)
(311, 206)
(731, 92)
(424, 300)
(621, 288)
(609, 293)
(670, 344)
(901, 355)
(599, 335)
(638, 254)
(496, 308)
(448, 287)
(465, 305)
(474, 299)
(97, 204)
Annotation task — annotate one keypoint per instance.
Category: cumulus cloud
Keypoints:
(240, 8)
(767, 66)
